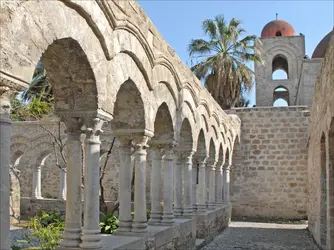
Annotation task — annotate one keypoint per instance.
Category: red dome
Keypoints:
(320, 50)
(277, 28)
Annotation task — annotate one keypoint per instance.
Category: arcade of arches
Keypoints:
(115, 76)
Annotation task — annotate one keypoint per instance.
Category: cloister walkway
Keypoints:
(263, 236)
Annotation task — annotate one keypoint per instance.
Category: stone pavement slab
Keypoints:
(263, 236)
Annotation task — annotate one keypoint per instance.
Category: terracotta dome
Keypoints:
(320, 50)
(277, 28)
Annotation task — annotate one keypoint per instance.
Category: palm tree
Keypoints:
(221, 60)
(39, 86)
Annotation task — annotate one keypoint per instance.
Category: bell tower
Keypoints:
(282, 50)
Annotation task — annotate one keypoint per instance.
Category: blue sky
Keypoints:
(180, 21)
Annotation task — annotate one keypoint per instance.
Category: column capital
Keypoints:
(93, 129)
(202, 158)
(227, 167)
(73, 127)
(6, 95)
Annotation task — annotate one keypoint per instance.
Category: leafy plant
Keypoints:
(47, 228)
(109, 223)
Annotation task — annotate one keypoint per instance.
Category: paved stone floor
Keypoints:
(263, 236)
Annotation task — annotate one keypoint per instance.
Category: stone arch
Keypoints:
(163, 125)
(129, 112)
(280, 62)
(161, 74)
(185, 113)
(71, 58)
(204, 104)
(186, 141)
(323, 191)
(227, 155)
(281, 92)
(221, 157)
(212, 151)
(187, 88)
(129, 73)
(201, 143)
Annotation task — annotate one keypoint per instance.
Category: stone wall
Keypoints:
(321, 155)
(269, 167)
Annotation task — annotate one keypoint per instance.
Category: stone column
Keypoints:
(212, 177)
(219, 183)
(188, 184)
(125, 176)
(73, 221)
(226, 173)
(194, 186)
(168, 162)
(6, 95)
(37, 183)
(139, 224)
(178, 208)
(155, 217)
(91, 237)
(62, 188)
(201, 207)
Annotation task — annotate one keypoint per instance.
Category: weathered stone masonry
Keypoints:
(269, 174)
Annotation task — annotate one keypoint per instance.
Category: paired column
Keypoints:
(194, 185)
(139, 224)
(155, 217)
(62, 189)
(188, 183)
(125, 175)
(201, 207)
(219, 183)
(91, 237)
(226, 173)
(168, 161)
(212, 177)
(178, 208)
(6, 95)
(36, 183)
(73, 220)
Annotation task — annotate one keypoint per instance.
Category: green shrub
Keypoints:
(47, 228)
(109, 223)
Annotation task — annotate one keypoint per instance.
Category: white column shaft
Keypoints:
(62, 186)
(201, 207)
(125, 218)
(212, 179)
(37, 183)
(5, 134)
(156, 213)
(91, 237)
(168, 216)
(188, 187)
(73, 222)
(194, 187)
(178, 208)
(219, 185)
(226, 197)
(139, 224)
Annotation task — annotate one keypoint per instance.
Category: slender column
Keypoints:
(124, 196)
(226, 173)
(168, 162)
(207, 179)
(201, 207)
(91, 237)
(219, 184)
(188, 184)
(62, 189)
(194, 186)
(178, 208)
(212, 177)
(73, 221)
(36, 183)
(139, 224)
(156, 212)
(5, 133)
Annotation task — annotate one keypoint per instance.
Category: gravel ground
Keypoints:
(263, 236)
(18, 233)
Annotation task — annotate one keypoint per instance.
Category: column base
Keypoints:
(201, 207)
(155, 219)
(177, 212)
(211, 206)
(167, 218)
(219, 203)
(37, 198)
(91, 239)
(195, 208)
(71, 238)
(124, 226)
(188, 212)
(139, 227)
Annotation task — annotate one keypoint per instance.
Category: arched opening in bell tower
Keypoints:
(281, 97)
(280, 68)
